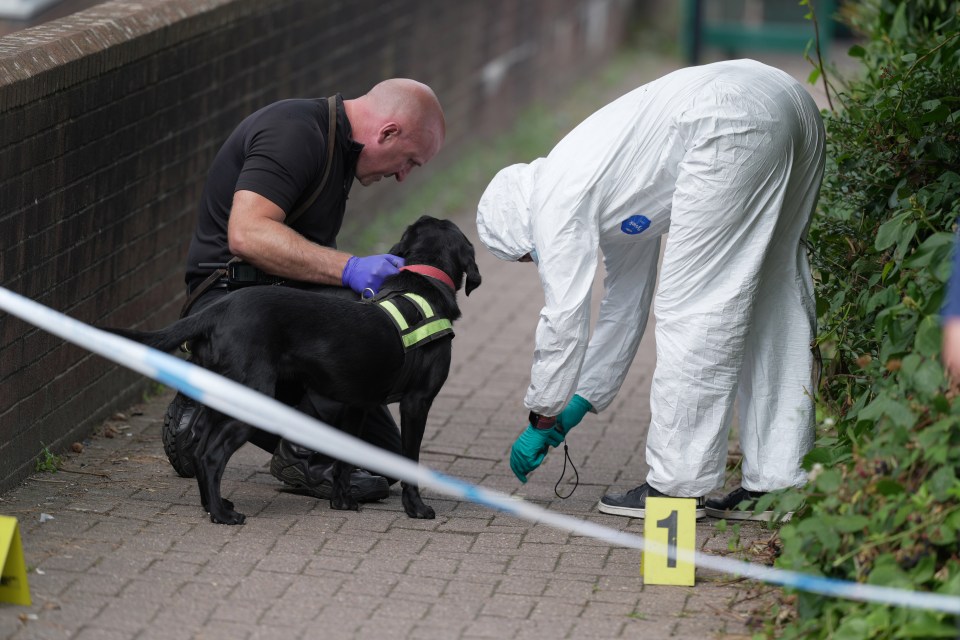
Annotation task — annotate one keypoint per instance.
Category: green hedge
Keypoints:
(883, 503)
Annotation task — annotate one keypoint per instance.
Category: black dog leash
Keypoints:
(576, 481)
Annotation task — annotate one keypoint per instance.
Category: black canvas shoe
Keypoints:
(633, 503)
(305, 470)
(740, 504)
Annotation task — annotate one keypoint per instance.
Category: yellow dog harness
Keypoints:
(419, 330)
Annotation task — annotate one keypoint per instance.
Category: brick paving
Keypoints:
(129, 553)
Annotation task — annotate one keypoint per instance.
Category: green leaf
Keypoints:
(940, 403)
(898, 27)
(942, 269)
(927, 629)
(887, 268)
(910, 364)
(885, 298)
(823, 305)
(852, 523)
(829, 481)
(929, 377)
(929, 337)
(885, 406)
(951, 586)
(916, 131)
(856, 51)
(887, 572)
(852, 628)
(941, 482)
(821, 455)
(907, 233)
(935, 248)
(934, 440)
(889, 232)
(887, 487)
(940, 114)
(943, 534)
(791, 501)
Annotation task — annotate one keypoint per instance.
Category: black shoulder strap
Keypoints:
(331, 143)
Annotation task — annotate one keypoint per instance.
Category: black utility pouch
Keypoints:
(244, 274)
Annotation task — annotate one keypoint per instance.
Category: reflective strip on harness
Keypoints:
(424, 331)
(425, 307)
(398, 318)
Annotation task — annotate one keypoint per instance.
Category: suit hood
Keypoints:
(503, 215)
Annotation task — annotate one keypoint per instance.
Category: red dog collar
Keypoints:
(432, 272)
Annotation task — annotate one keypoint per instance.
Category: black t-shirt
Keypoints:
(280, 153)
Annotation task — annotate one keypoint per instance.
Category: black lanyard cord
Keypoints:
(576, 481)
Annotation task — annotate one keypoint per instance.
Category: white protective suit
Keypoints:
(728, 158)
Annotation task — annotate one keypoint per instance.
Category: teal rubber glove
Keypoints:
(573, 413)
(530, 449)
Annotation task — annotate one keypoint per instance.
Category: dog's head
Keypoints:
(441, 244)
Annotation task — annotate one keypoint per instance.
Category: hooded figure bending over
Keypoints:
(728, 159)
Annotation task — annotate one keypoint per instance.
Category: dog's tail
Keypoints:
(189, 329)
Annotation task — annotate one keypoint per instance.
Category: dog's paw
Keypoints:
(228, 517)
(227, 505)
(413, 504)
(422, 512)
(418, 509)
(344, 503)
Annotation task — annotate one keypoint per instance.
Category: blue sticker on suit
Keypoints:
(635, 224)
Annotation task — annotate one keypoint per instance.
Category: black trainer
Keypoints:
(305, 470)
(179, 436)
(741, 504)
(633, 503)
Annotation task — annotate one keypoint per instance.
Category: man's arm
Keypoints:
(256, 233)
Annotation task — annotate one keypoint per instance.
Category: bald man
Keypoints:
(275, 198)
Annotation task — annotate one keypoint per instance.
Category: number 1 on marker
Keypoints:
(670, 524)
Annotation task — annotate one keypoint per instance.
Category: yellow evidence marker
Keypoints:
(13, 571)
(669, 526)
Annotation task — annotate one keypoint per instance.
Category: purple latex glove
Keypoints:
(366, 275)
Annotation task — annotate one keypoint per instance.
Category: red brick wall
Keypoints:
(109, 119)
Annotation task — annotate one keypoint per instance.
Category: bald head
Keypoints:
(407, 100)
(400, 123)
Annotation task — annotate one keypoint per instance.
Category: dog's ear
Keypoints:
(469, 263)
(473, 278)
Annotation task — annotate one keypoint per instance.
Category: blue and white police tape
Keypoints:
(266, 413)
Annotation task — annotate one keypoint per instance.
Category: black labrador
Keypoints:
(274, 337)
